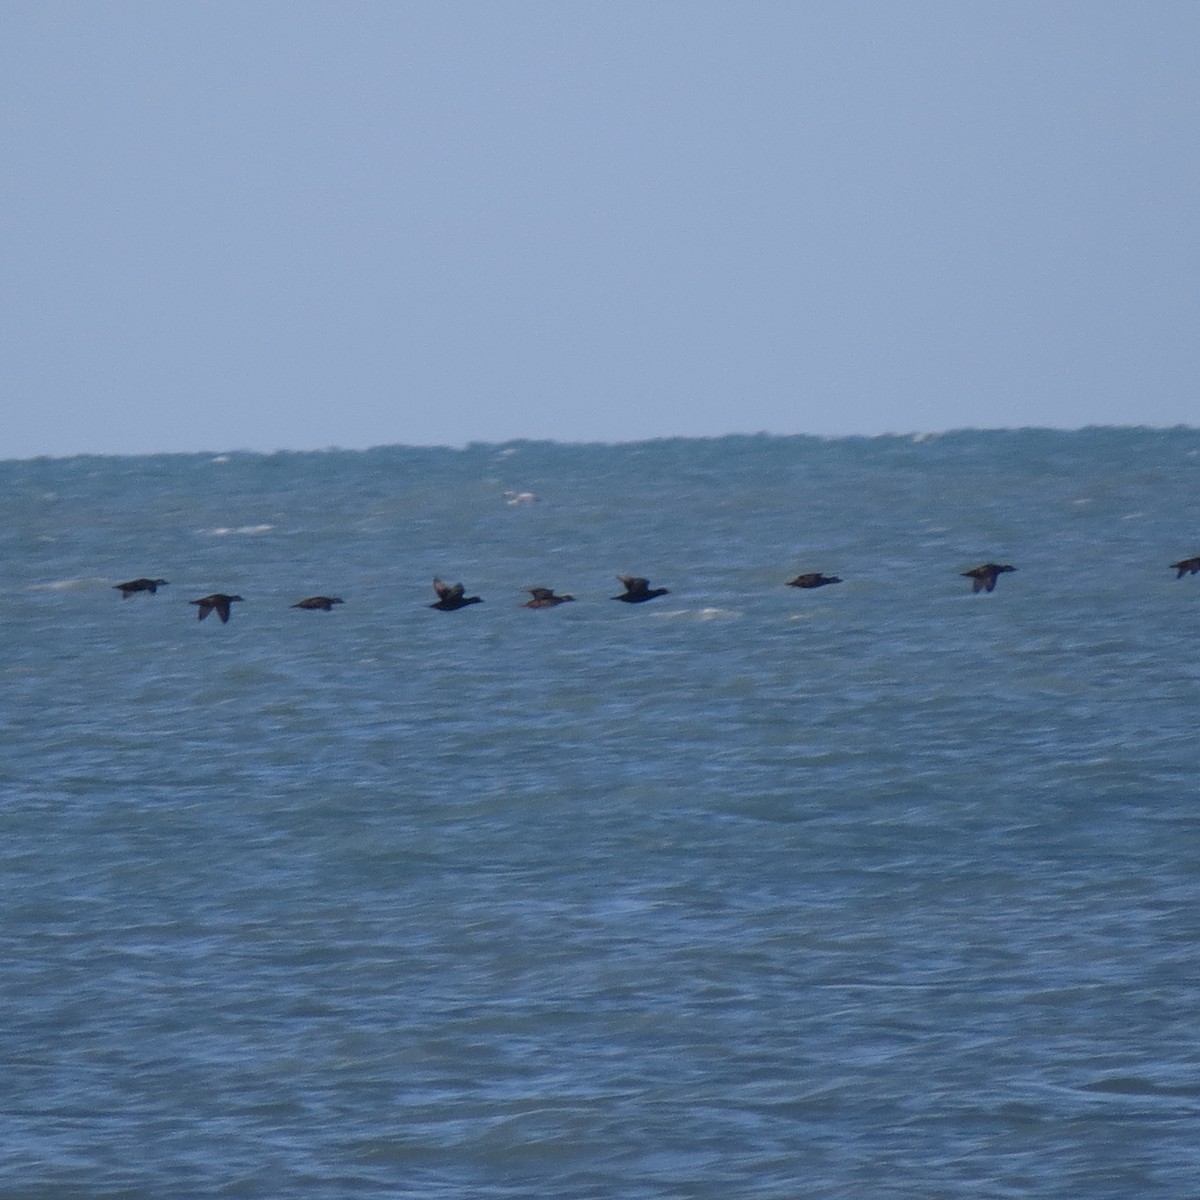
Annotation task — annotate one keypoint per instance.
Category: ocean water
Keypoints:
(882, 890)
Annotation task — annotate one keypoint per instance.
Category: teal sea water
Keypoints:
(882, 890)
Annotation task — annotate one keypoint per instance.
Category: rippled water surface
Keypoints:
(881, 890)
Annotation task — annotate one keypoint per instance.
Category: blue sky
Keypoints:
(262, 225)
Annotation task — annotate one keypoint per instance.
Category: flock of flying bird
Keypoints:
(452, 596)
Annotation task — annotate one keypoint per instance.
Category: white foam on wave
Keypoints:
(227, 531)
(703, 614)
(64, 585)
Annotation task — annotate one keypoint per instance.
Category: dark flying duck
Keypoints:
(321, 603)
(130, 586)
(218, 601)
(637, 590)
(813, 579)
(984, 578)
(545, 598)
(450, 597)
(1187, 566)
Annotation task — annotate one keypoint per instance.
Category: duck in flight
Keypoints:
(545, 598)
(813, 579)
(218, 601)
(984, 578)
(637, 590)
(1187, 566)
(130, 586)
(450, 596)
(319, 603)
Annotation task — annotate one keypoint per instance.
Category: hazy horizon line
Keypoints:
(910, 435)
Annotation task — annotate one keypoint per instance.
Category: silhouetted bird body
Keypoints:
(1186, 566)
(218, 602)
(319, 603)
(450, 597)
(545, 598)
(983, 579)
(813, 579)
(130, 586)
(637, 590)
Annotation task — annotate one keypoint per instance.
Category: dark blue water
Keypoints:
(886, 889)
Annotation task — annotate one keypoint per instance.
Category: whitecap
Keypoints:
(63, 585)
(703, 614)
(225, 530)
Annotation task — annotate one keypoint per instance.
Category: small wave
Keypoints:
(1138, 1085)
(703, 614)
(64, 585)
(226, 530)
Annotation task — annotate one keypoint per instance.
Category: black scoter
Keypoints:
(1186, 566)
(130, 586)
(322, 603)
(545, 598)
(637, 590)
(218, 601)
(450, 597)
(984, 578)
(813, 579)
